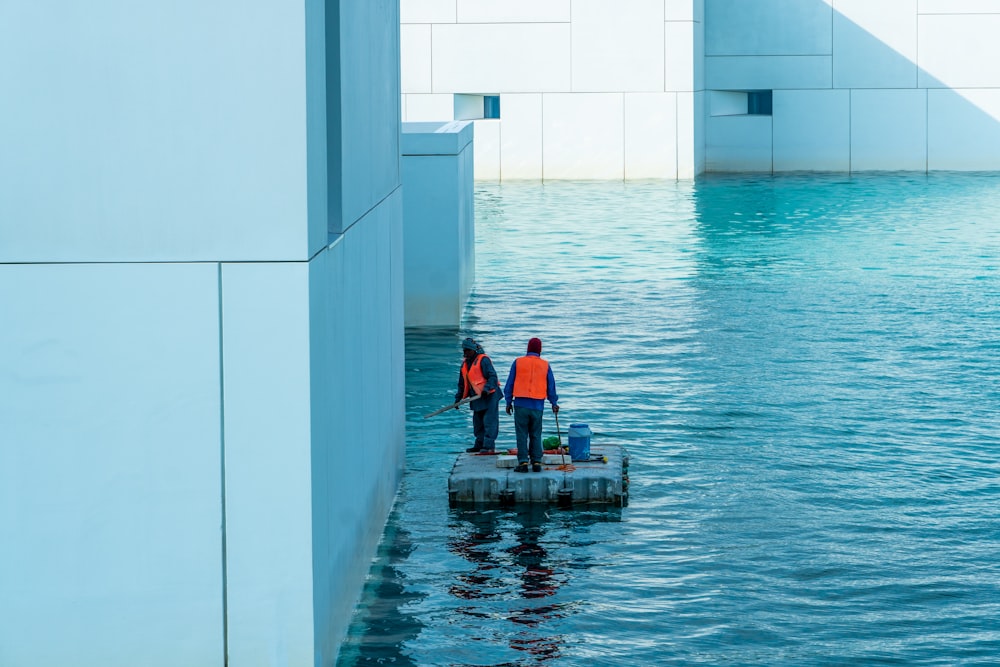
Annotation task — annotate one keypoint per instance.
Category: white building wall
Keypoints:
(857, 85)
(911, 83)
(200, 241)
(580, 81)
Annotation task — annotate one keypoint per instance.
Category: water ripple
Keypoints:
(803, 368)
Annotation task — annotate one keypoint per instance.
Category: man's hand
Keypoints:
(555, 409)
(510, 408)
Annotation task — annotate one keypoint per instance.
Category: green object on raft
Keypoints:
(550, 442)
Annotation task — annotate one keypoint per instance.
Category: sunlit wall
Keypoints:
(671, 88)
(201, 352)
(587, 88)
(856, 85)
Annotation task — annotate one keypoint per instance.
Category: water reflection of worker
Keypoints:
(477, 377)
(487, 545)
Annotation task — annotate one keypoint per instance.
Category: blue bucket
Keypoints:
(579, 442)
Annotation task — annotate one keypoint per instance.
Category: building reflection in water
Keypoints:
(518, 572)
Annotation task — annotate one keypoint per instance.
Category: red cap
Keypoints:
(535, 345)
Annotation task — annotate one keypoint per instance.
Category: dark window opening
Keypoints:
(759, 103)
(491, 106)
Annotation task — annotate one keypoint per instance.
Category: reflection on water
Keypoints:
(514, 576)
(803, 368)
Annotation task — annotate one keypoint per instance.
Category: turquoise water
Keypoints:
(805, 372)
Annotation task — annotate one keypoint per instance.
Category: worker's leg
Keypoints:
(491, 424)
(536, 437)
(522, 424)
(478, 427)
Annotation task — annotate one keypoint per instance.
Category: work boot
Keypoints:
(474, 449)
(521, 467)
(536, 466)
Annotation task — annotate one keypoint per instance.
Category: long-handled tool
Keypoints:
(559, 435)
(452, 406)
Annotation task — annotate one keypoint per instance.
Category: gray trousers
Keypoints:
(486, 423)
(528, 429)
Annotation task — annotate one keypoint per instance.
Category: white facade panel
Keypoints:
(435, 107)
(680, 62)
(415, 64)
(265, 313)
(617, 46)
(110, 465)
(812, 130)
(650, 135)
(958, 6)
(875, 44)
(486, 149)
(521, 136)
(513, 11)
(767, 72)
(738, 143)
(690, 134)
(767, 27)
(684, 10)
(369, 115)
(427, 11)
(166, 154)
(888, 130)
(963, 129)
(583, 135)
(959, 51)
(501, 58)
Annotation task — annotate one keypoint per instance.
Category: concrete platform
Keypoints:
(491, 479)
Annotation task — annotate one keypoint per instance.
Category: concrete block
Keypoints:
(963, 132)
(888, 130)
(767, 28)
(812, 130)
(618, 46)
(502, 58)
(769, 73)
(415, 58)
(975, 65)
(514, 11)
(427, 11)
(650, 135)
(875, 44)
(583, 136)
(738, 143)
(521, 136)
(439, 230)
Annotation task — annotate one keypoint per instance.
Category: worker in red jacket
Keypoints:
(529, 383)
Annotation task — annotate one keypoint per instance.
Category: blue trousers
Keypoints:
(528, 429)
(486, 423)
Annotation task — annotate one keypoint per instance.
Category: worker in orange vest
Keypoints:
(529, 383)
(477, 377)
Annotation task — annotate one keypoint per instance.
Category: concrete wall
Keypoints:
(439, 234)
(595, 89)
(588, 88)
(857, 85)
(200, 241)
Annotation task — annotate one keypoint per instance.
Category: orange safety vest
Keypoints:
(474, 377)
(531, 377)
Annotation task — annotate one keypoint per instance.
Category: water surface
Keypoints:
(804, 370)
